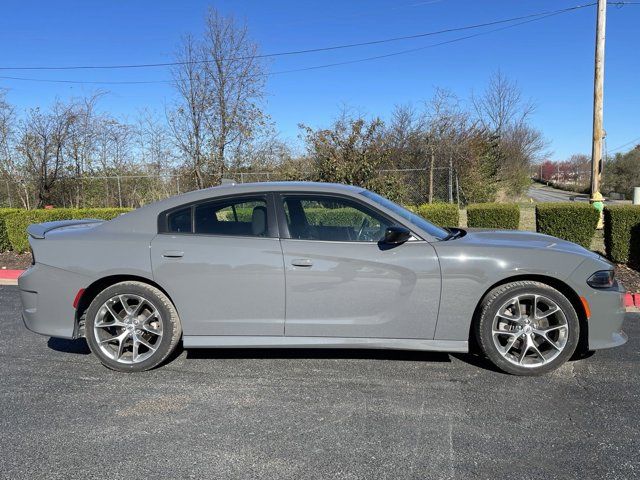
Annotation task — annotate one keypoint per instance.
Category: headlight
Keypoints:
(601, 279)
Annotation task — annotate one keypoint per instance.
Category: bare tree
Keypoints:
(42, 143)
(501, 104)
(10, 169)
(186, 119)
(236, 80)
(502, 112)
(220, 81)
(81, 143)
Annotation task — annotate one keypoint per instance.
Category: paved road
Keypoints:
(549, 194)
(320, 414)
(541, 193)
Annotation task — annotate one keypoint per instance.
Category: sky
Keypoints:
(551, 60)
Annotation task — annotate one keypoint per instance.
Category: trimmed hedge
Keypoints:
(493, 215)
(4, 238)
(575, 222)
(622, 233)
(335, 217)
(18, 221)
(441, 214)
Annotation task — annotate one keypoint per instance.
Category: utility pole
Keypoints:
(598, 92)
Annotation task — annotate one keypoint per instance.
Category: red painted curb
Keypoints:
(628, 300)
(10, 274)
(636, 299)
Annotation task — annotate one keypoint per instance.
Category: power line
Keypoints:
(620, 147)
(304, 69)
(86, 82)
(411, 50)
(311, 50)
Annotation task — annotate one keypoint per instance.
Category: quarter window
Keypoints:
(332, 219)
(179, 221)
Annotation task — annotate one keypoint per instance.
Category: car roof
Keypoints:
(145, 218)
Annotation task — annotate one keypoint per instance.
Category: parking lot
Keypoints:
(311, 414)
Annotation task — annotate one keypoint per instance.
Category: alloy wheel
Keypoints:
(530, 330)
(128, 328)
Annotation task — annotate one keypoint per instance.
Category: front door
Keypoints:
(221, 263)
(341, 282)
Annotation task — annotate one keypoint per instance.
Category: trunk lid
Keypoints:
(39, 230)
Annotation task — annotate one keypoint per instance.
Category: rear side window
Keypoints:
(244, 217)
(179, 221)
(231, 216)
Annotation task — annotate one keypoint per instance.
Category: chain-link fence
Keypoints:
(408, 186)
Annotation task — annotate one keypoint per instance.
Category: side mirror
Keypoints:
(395, 235)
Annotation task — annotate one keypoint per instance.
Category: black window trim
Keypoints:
(272, 223)
(284, 227)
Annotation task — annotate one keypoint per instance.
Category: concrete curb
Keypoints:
(9, 277)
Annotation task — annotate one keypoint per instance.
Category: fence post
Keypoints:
(9, 194)
(450, 178)
(119, 192)
(431, 167)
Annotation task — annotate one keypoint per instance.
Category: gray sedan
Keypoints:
(314, 265)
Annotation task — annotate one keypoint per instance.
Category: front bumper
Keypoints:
(607, 315)
(47, 295)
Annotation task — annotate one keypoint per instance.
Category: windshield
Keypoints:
(430, 228)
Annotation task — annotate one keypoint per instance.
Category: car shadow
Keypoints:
(78, 346)
(313, 353)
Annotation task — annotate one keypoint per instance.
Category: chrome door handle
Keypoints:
(172, 254)
(301, 262)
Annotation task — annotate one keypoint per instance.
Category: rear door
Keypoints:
(221, 263)
(341, 282)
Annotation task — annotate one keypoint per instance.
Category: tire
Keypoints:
(520, 343)
(132, 327)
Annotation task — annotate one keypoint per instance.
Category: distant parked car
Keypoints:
(311, 265)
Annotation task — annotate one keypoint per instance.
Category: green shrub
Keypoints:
(335, 217)
(18, 221)
(575, 222)
(622, 233)
(4, 238)
(493, 215)
(441, 214)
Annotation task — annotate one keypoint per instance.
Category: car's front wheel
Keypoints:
(132, 326)
(527, 328)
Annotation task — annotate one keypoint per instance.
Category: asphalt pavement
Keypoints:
(280, 414)
(543, 193)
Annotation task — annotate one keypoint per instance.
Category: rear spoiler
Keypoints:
(39, 230)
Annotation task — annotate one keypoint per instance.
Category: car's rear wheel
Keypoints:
(132, 326)
(527, 328)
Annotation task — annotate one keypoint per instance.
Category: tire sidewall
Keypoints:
(494, 302)
(167, 318)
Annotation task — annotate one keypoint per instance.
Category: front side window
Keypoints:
(433, 230)
(235, 217)
(332, 219)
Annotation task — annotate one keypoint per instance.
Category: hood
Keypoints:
(520, 239)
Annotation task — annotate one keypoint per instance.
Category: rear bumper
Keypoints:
(47, 295)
